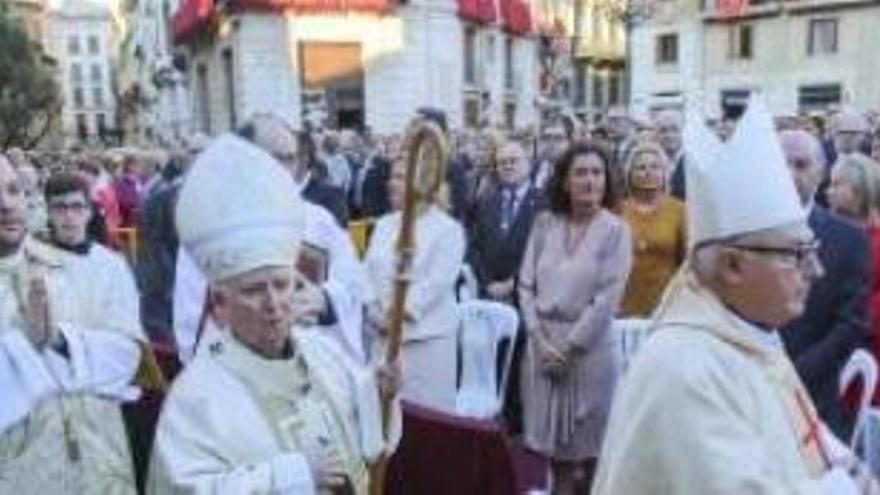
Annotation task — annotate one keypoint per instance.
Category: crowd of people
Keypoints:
(749, 251)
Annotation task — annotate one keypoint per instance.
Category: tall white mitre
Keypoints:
(236, 211)
(741, 186)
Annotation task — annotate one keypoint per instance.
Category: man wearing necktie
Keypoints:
(497, 239)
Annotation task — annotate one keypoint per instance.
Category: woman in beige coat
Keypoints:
(571, 282)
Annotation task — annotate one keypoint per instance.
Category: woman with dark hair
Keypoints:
(571, 282)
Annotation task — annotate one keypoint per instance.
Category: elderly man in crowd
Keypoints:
(849, 131)
(667, 126)
(68, 357)
(712, 403)
(269, 406)
(835, 320)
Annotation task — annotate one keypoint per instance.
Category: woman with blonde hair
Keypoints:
(657, 222)
(431, 313)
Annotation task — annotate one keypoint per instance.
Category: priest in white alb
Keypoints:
(66, 364)
(712, 404)
(265, 406)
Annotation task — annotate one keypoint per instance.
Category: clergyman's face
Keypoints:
(13, 208)
(773, 281)
(258, 308)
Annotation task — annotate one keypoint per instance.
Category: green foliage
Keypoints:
(29, 96)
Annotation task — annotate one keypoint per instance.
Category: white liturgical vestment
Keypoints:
(236, 423)
(710, 408)
(61, 430)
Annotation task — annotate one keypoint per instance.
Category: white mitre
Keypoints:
(237, 210)
(741, 186)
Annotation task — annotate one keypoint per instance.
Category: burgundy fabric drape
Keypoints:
(444, 455)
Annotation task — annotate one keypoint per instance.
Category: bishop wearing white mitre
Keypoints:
(712, 404)
(264, 406)
(68, 357)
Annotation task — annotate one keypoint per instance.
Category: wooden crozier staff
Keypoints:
(427, 154)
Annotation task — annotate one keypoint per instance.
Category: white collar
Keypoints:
(769, 339)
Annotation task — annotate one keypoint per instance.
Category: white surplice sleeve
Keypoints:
(347, 287)
(24, 380)
(206, 445)
(98, 362)
(190, 290)
(120, 304)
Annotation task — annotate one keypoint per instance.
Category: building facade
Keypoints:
(370, 63)
(803, 55)
(82, 37)
(600, 55)
(154, 103)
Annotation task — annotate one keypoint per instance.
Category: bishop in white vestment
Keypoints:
(712, 403)
(264, 406)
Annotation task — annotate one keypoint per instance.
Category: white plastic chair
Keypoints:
(866, 435)
(632, 332)
(484, 325)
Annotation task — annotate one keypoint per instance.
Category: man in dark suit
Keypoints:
(500, 229)
(327, 195)
(834, 322)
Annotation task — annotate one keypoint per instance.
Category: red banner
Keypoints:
(732, 8)
(478, 11)
(315, 5)
(190, 16)
(516, 17)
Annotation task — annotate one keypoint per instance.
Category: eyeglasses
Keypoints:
(802, 254)
(76, 207)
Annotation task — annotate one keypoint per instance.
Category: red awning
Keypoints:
(190, 16)
(315, 5)
(516, 17)
(479, 11)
